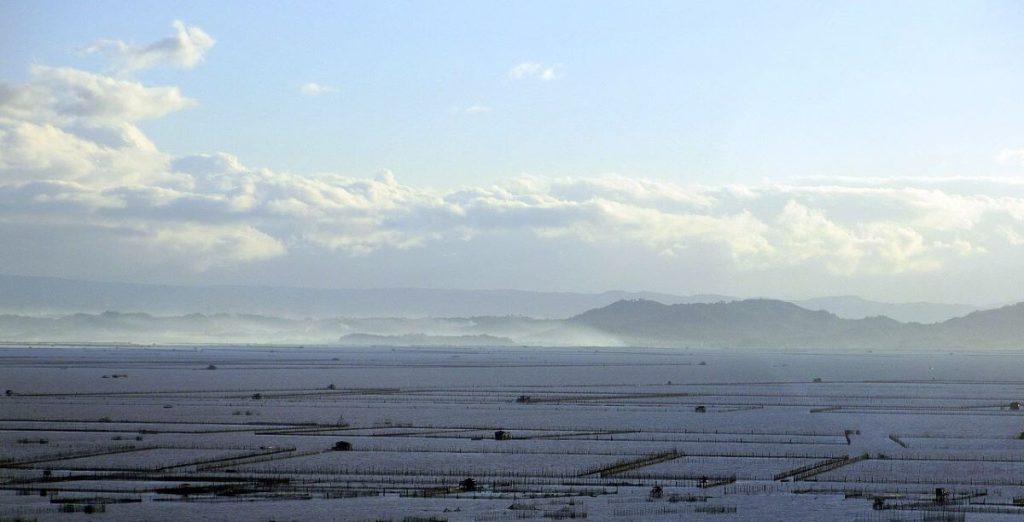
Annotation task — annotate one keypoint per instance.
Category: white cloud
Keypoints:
(221, 212)
(535, 70)
(74, 163)
(802, 234)
(185, 49)
(316, 89)
(30, 151)
(202, 247)
(1011, 157)
(65, 95)
(475, 109)
(69, 124)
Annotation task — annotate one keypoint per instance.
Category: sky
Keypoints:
(784, 149)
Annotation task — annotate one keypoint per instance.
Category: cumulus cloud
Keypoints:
(73, 163)
(210, 246)
(231, 213)
(535, 70)
(64, 96)
(185, 49)
(68, 124)
(316, 89)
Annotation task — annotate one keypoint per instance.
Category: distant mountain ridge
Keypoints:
(42, 295)
(853, 307)
(767, 323)
(750, 324)
(409, 340)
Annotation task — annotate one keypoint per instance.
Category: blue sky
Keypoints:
(692, 92)
(751, 148)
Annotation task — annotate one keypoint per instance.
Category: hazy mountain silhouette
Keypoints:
(853, 307)
(41, 295)
(35, 295)
(425, 340)
(749, 324)
(766, 323)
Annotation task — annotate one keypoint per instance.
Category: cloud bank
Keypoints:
(74, 164)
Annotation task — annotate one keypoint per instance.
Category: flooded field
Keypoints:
(292, 433)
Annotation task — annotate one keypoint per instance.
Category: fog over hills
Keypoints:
(60, 310)
(141, 328)
(747, 324)
(39, 295)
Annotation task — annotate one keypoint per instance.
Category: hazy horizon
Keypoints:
(637, 291)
